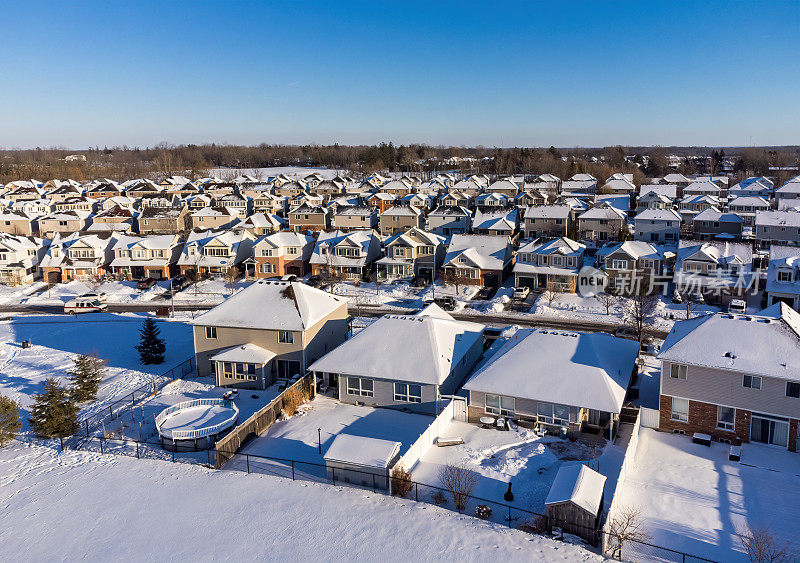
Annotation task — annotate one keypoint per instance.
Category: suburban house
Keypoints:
(405, 362)
(449, 221)
(309, 218)
(712, 224)
(746, 207)
(759, 187)
(455, 198)
(116, 219)
(16, 223)
(420, 201)
(657, 225)
(212, 218)
(720, 271)
(735, 378)
(577, 381)
(620, 186)
(380, 201)
(549, 221)
(691, 205)
(139, 257)
(348, 255)
(669, 191)
(653, 200)
(601, 223)
(269, 203)
(19, 258)
(268, 331)
(782, 227)
(260, 224)
(478, 260)
(531, 197)
(77, 257)
(63, 222)
(280, 254)
(351, 217)
(551, 266)
(157, 221)
(703, 187)
(215, 252)
(506, 186)
(632, 266)
(399, 219)
(413, 253)
(397, 188)
(493, 200)
(783, 276)
(495, 222)
(790, 191)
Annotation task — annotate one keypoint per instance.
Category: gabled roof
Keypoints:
(570, 368)
(634, 248)
(562, 245)
(658, 215)
(415, 348)
(272, 305)
(486, 252)
(548, 212)
(603, 211)
(578, 484)
(667, 190)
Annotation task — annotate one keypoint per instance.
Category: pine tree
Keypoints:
(53, 413)
(85, 378)
(9, 420)
(151, 346)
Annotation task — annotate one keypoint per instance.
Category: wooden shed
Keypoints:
(575, 501)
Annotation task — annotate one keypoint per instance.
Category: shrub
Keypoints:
(9, 420)
(536, 525)
(439, 499)
(293, 398)
(460, 481)
(401, 481)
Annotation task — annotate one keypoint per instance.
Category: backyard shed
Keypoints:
(575, 501)
(361, 461)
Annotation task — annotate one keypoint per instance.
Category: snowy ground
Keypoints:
(111, 508)
(116, 292)
(402, 294)
(211, 291)
(297, 438)
(692, 498)
(57, 339)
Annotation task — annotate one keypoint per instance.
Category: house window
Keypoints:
(793, 389)
(784, 276)
(680, 409)
(619, 264)
(407, 393)
(499, 405)
(285, 337)
(211, 332)
(359, 386)
(751, 381)
(677, 371)
(725, 417)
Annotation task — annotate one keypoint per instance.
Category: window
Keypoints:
(725, 417)
(619, 264)
(407, 393)
(793, 389)
(751, 381)
(680, 409)
(211, 332)
(359, 386)
(784, 276)
(285, 337)
(561, 414)
(677, 371)
(499, 405)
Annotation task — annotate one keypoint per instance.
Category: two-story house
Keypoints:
(280, 254)
(712, 224)
(657, 225)
(309, 218)
(720, 271)
(63, 223)
(734, 377)
(549, 266)
(783, 276)
(260, 224)
(346, 255)
(781, 227)
(601, 223)
(455, 198)
(548, 221)
(215, 252)
(412, 253)
(19, 258)
(746, 207)
(163, 221)
(268, 331)
(449, 221)
(139, 257)
(478, 260)
(632, 267)
(351, 217)
(399, 219)
(77, 257)
(212, 218)
(16, 223)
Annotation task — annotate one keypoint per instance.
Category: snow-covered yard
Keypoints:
(112, 508)
(57, 339)
(693, 499)
(116, 292)
(210, 291)
(298, 439)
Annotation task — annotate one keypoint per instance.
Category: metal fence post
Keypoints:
(373, 482)
(416, 492)
(101, 445)
(247, 457)
(137, 450)
(509, 515)
(61, 439)
(292, 470)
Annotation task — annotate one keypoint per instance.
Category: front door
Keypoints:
(769, 430)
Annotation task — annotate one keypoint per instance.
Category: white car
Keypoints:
(737, 306)
(84, 305)
(521, 292)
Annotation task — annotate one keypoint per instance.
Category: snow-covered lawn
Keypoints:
(87, 506)
(116, 292)
(297, 438)
(58, 339)
(212, 291)
(692, 498)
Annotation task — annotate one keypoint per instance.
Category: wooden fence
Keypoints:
(261, 420)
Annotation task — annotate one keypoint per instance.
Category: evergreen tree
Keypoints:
(85, 378)
(151, 346)
(9, 420)
(53, 413)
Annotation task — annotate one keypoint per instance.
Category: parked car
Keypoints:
(737, 306)
(146, 283)
(626, 332)
(521, 292)
(314, 281)
(289, 277)
(100, 296)
(448, 303)
(84, 305)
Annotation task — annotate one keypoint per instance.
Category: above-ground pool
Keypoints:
(195, 425)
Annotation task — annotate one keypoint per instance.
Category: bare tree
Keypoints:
(640, 311)
(760, 545)
(231, 275)
(607, 300)
(460, 481)
(626, 526)
(549, 296)
(450, 276)
(691, 305)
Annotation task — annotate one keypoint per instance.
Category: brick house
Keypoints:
(734, 377)
(139, 257)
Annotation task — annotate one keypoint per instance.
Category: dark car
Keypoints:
(146, 283)
(447, 302)
(314, 281)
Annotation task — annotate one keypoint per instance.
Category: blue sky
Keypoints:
(496, 73)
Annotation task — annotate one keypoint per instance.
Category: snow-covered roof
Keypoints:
(414, 348)
(272, 305)
(783, 258)
(578, 484)
(246, 353)
(749, 200)
(548, 212)
(703, 186)
(562, 245)
(666, 190)
(788, 218)
(589, 370)
(712, 214)
(658, 215)
(582, 177)
(504, 220)
(675, 178)
(603, 211)
(486, 252)
(765, 344)
(362, 451)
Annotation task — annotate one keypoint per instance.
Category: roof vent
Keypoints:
(730, 355)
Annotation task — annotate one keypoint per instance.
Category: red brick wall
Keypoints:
(703, 418)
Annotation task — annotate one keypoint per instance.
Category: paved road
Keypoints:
(494, 319)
